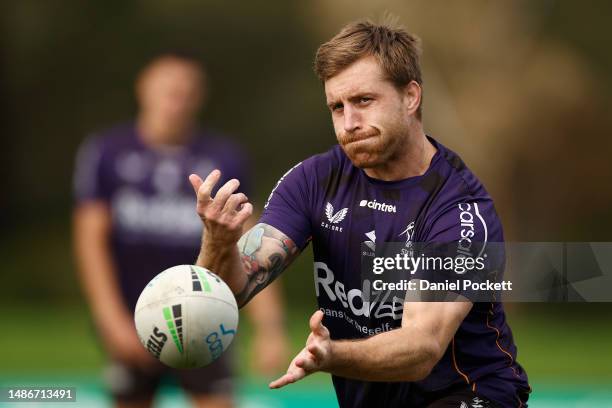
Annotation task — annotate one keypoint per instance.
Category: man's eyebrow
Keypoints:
(332, 103)
(352, 97)
(361, 94)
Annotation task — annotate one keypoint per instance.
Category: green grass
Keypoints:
(563, 343)
(564, 348)
(552, 347)
(56, 339)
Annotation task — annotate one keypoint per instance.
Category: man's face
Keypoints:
(171, 91)
(370, 119)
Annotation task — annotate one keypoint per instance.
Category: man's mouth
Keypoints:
(358, 138)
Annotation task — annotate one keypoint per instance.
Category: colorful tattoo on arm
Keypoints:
(265, 253)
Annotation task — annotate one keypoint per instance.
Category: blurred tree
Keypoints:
(521, 89)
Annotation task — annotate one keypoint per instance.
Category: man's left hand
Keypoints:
(316, 356)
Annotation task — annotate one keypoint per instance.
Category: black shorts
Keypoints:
(126, 383)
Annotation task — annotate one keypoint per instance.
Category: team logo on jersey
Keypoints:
(333, 218)
(409, 233)
(132, 167)
(375, 205)
(167, 177)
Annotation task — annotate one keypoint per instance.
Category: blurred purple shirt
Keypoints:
(154, 222)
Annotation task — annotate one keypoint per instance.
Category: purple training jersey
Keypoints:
(327, 200)
(154, 222)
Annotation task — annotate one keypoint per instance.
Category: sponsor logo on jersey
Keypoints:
(156, 342)
(366, 301)
(469, 218)
(157, 217)
(370, 243)
(375, 205)
(333, 218)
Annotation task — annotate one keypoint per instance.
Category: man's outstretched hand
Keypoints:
(316, 356)
(225, 214)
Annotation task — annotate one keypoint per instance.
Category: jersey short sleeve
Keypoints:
(287, 207)
(467, 238)
(89, 180)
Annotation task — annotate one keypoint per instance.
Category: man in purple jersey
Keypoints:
(386, 181)
(134, 218)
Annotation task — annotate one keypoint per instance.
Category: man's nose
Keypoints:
(352, 119)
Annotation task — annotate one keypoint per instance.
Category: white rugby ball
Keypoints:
(186, 316)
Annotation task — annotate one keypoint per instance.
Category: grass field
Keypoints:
(567, 356)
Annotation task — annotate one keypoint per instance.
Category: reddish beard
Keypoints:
(348, 137)
(364, 149)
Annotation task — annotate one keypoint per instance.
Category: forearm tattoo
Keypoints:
(265, 253)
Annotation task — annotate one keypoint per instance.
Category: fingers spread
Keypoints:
(196, 181)
(234, 202)
(212, 179)
(205, 189)
(223, 194)
(244, 213)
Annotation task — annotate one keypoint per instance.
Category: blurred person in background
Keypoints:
(134, 218)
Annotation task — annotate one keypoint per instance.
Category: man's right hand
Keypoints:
(122, 343)
(223, 215)
(98, 275)
(265, 251)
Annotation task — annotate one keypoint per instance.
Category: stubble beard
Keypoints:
(378, 148)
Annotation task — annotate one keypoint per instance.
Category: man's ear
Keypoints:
(411, 95)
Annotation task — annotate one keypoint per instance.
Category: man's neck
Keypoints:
(412, 160)
(156, 134)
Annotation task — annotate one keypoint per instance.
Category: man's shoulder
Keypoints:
(210, 139)
(113, 138)
(307, 175)
(457, 182)
(457, 194)
(334, 160)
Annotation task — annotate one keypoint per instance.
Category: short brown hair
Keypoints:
(396, 50)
